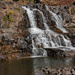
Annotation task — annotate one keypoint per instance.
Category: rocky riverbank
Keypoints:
(14, 56)
(61, 71)
(60, 53)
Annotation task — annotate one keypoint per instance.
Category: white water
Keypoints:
(31, 17)
(44, 21)
(58, 20)
(46, 38)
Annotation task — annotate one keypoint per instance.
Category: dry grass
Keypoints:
(58, 2)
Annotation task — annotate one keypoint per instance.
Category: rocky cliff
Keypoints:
(14, 24)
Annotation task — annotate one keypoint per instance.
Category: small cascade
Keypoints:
(43, 17)
(47, 38)
(31, 17)
(58, 20)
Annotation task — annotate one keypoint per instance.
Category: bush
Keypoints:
(5, 18)
(9, 17)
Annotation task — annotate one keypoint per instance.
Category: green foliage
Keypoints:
(35, 2)
(21, 0)
(73, 10)
(5, 18)
(11, 19)
(18, 9)
(8, 17)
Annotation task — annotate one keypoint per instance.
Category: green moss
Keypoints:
(73, 10)
(18, 9)
(5, 18)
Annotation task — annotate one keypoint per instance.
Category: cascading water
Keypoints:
(58, 20)
(34, 30)
(47, 38)
(31, 17)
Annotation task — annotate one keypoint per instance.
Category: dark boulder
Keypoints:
(37, 1)
(73, 3)
(54, 52)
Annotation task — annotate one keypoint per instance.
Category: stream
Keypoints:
(32, 66)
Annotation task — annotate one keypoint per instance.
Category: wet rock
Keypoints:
(3, 5)
(64, 71)
(25, 22)
(54, 52)
(72, 37)
(39, 20)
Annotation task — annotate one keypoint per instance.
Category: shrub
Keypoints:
(9, 17)
(5, 18)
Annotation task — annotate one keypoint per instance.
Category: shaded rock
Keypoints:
(3, 5)
(72, 37)
(62, 71)
(54, 52)
(73, 3)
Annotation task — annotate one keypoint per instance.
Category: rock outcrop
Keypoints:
(14, 24)
(13, 34)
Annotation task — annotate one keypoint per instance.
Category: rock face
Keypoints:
(14, 24)
(55, 52)
(14, 35)
(66, 16)
(59, 53)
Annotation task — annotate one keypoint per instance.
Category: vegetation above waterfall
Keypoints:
(48, 2)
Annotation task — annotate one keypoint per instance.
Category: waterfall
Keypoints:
(58, 20)
(31, 17)
(46, 27)
(47, 38)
